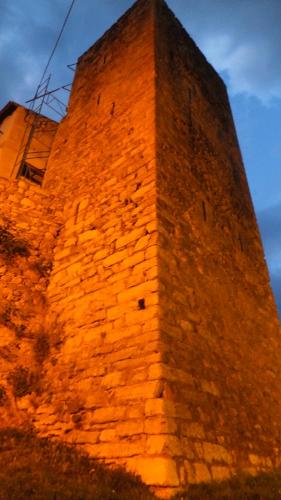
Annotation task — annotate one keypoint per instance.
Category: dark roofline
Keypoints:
(8, 109)
(11, 106)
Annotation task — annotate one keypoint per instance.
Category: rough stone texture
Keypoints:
(15, 125)
(163, 336)
(104, 288)
(218, 318)
(28, 228)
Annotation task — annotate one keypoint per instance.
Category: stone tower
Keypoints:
(169, 352)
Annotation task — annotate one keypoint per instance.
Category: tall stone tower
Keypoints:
(169, 354)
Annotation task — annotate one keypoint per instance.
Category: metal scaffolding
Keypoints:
(33, 146)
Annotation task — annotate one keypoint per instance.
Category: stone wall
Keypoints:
(218, 319)
(158, 334)
(28, 228)
(106, 388)
(15, 127)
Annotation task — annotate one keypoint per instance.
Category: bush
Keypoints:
(6, 319)
(21, 380)
(10, 246)
(41, 348)
(42, 470)
(43, 268)
(265, 486)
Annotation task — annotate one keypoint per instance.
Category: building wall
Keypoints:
(218, 319)
(103, 289)
(153, 338)
(15, 129)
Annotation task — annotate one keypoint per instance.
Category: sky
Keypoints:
(240, 38)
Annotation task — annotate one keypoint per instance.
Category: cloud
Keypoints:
(251, 69)
(241, 39)
(276, 286)
(270, 226)
(28, 31)
(27, 35)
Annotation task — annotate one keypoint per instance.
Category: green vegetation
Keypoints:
(10, 246)
(41, 347)
(23, 381)
(265, 486)
(41, 470)
(7, 317)
(43, 268)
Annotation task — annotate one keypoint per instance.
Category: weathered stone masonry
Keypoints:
(162, 335)
(214, 289)
(29, 224)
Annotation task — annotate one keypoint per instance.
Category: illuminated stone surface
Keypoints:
(164, 341)
(15, 125)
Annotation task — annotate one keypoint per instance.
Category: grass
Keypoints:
(42, 470)
(39, 469)
(265, 486)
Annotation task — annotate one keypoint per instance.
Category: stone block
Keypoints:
(108, 435)
(109, 414)
(144, 390)
(117, 449)
(216, 453)
(137, 292)
(132, 236)
(193, 429)
(133, 260)
(160, 425)
(83, 437)
(157, 471)
(256, 459)
(89, 235)
(155, 407)
(142, 243)
(210, 387)
(221, 473)
(113, 379)
(164, 445)
(197, 472)
(130, 428)
(115, 257)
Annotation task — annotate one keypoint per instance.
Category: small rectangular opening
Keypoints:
(31, 173)
(141, 304)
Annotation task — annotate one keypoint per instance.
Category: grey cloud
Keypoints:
(270, 225)
(276, 286)
(241, 38)
(27, 33)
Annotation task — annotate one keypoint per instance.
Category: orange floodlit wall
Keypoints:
(15, 126)
(150, 336)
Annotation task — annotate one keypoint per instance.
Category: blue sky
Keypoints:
(241, 39)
